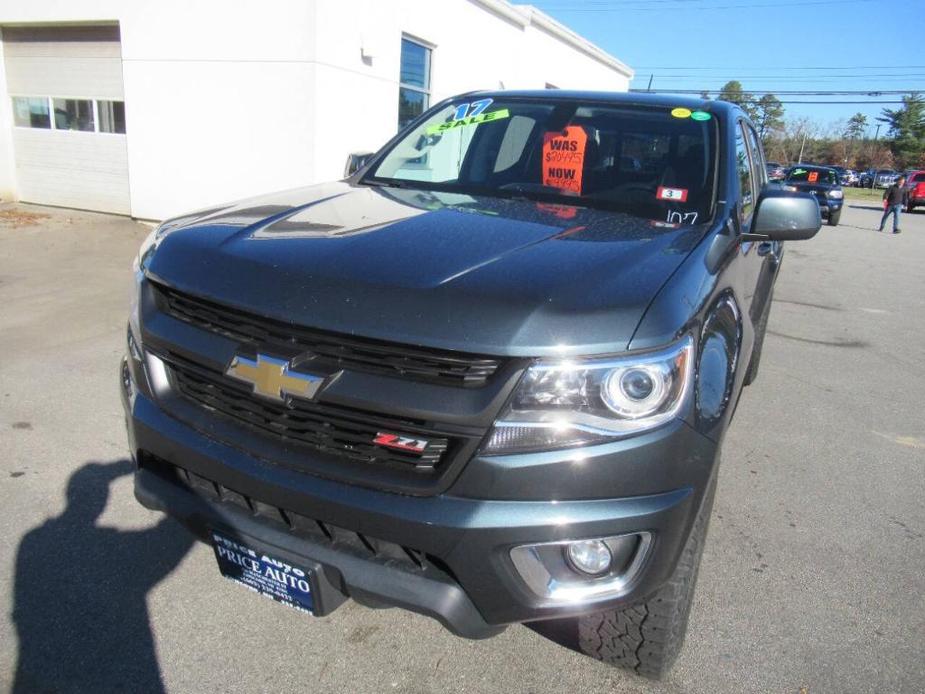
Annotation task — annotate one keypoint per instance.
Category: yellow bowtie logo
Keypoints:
(273, 378)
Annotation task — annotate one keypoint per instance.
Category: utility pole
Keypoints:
(873, 152)
(800, 158)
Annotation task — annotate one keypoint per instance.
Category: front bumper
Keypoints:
(463, 576)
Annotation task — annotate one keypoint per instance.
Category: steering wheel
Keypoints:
(632, 191)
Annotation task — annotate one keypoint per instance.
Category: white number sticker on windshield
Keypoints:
(682, 217)
(476, 107)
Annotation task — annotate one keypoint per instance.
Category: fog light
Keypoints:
(572, 571)
(590, 557)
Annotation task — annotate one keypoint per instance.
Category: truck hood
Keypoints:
(477, 274)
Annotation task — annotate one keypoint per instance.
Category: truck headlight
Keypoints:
(145, 253)
(835, 194)
(584, 402)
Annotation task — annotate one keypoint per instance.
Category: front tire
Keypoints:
(833, 218)
(647, 638)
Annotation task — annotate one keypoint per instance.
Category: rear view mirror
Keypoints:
(783, 216)
(355, 162)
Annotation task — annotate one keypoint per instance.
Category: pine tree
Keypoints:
(733, 93)
(768, 115)
(907, 130)
(856, 127)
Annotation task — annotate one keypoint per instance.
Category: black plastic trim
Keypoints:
(358, 578)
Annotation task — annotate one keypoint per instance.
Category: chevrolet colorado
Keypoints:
(485, 378)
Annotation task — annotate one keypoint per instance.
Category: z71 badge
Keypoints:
(402, 443)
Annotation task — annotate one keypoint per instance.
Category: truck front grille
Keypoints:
(356, 354)
(325, 428)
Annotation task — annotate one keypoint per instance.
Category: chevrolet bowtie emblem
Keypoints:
(273, 379)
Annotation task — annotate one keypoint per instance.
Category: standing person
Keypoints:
(893, 197)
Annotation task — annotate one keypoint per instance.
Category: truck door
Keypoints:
(758, 259)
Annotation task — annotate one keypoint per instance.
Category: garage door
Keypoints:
(68, 116)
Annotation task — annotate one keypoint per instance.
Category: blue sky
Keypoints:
(766, 45)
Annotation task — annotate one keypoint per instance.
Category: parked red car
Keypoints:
(915, 190)
(776, 172)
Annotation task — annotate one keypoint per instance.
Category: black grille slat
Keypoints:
(337, 431)
(382, 551)
(434, 366)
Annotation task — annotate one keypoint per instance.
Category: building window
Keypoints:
(414, 81)
(29, 112)
(74, 114)
(111, 116)
(83, 115)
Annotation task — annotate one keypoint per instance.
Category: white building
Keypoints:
(155, 108)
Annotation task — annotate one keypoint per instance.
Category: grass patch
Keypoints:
(865, 194)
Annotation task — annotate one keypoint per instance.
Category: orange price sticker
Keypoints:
(564, 158)
(813, 176)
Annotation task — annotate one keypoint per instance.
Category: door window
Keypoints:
(31, 112)
(112, 116)
(744, 172)
(74, 114)
(759, 170)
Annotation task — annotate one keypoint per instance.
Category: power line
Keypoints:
(881, 75)
(617, 4)
(700, 8)
(791, 92)
(621, 3)
(780, 67)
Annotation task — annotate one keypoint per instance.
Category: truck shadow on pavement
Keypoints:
(80, 607)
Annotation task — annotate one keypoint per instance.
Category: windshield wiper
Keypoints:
(390, 183)
(537, 188)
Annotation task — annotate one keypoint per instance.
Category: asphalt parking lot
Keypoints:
(813, 577)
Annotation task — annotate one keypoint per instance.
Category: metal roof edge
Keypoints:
(528, 15)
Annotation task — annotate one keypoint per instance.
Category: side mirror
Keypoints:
(356, 161)
(783, 216)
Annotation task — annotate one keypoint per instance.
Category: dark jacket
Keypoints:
(893, 195)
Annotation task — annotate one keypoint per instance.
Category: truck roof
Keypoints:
(634, 98)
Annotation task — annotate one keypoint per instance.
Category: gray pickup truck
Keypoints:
(485, 378)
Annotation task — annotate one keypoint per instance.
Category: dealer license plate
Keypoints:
(264, 574)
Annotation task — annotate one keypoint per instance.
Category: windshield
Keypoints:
(655, 163)
(822, 176)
